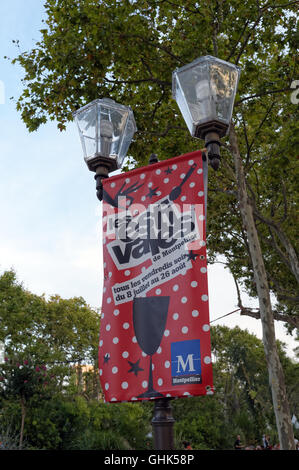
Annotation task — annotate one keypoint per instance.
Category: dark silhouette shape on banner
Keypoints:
(149, 321)
(176, 191)
(122, 193)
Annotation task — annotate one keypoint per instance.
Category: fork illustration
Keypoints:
(121, 193)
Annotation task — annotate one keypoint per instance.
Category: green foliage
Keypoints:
(23, 380)
(242, 400)
(199, 420)
(59, 411)
(128, 49)
(54, 332)
(66, 422)
(241, 370)
(43, 339)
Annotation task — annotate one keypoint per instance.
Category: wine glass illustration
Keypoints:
(149, 321)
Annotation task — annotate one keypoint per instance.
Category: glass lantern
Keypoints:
(205, 92)
(106, 130)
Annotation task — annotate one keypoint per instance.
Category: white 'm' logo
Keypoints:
(189, 361)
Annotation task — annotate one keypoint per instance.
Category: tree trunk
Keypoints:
(276, 376)
(23, 411)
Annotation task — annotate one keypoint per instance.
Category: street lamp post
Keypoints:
(163, 421)
(205, 91)
(163, 425)
(106, 130)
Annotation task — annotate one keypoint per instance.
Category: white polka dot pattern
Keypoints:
(163, 266)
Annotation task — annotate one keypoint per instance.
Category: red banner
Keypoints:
(155, 334)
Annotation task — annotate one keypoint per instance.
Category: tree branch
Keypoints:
(157, 45)
(292, 255)
(238, 40)
(259, 129)
(255, 313)
(285, 203)
(141, 80)
(292, 320)
(258, 95)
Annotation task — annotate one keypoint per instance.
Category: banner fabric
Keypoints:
(155, 333)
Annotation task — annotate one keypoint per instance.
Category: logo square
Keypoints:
(186, 362)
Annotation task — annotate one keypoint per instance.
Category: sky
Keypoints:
(50, 226)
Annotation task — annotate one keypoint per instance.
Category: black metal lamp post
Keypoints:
(163, 423)
(106, 130)
(205, 91)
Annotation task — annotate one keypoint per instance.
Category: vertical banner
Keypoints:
(155, 333)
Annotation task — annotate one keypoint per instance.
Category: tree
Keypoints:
(63, 416)
(46, 342)
(42, 339)
(127, 50)
(241, 379)
(23, 381)
(55, 331)
(242, 400)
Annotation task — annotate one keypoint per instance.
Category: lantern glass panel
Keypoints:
(106, 129)
(205, 92)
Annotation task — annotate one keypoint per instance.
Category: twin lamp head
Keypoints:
(204, 90)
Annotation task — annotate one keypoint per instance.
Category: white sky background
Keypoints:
(50, 229)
